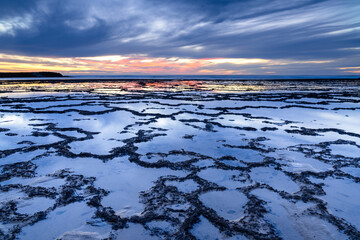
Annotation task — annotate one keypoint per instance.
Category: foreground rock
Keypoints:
(181, 165)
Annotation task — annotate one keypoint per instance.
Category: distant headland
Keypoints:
(29, 74)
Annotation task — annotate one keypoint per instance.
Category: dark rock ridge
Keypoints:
(29, 74)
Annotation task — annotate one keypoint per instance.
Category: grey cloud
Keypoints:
(220, 28)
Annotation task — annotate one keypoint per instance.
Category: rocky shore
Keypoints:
(181, 162)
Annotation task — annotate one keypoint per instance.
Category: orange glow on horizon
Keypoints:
(141, 64)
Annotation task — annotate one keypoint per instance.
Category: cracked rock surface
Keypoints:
(181, 165)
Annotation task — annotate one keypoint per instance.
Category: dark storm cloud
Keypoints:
(301, 29)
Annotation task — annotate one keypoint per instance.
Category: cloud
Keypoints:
(265, 29)
(140, 64)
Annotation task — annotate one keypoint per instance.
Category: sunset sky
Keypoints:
(293, 37)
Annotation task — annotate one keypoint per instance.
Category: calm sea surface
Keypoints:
(197, 77)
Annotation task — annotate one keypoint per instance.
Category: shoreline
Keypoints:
(248, 151)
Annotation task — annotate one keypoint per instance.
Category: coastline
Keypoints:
(30, 75)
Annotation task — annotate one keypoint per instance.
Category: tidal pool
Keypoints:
(186, 160)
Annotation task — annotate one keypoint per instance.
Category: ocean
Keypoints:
(191, 77)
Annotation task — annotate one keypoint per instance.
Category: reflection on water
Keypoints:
(123, 86)
(171, 165)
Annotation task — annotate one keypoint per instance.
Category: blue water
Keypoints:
(196, 77)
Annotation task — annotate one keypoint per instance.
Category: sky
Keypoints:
(260, 37)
